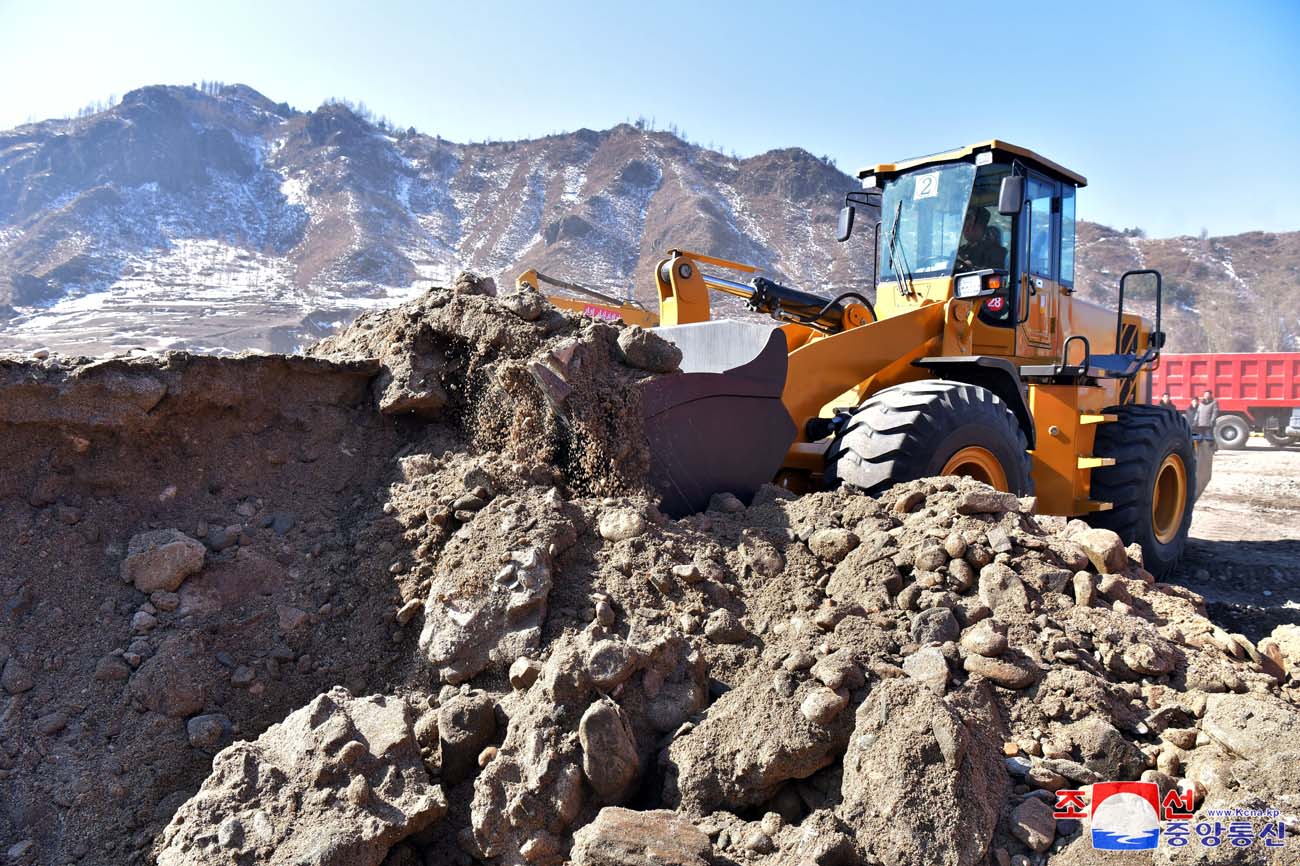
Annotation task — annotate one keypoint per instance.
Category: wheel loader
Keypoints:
(975, 358)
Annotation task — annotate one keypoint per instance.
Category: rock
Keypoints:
(1112, 586)
(720, 763)
(1252, 726)
(908, 501)
(722, 626)
(466, 723)
(1287, 638)
(1033, 824)
(208, 730)
(1085, 589)
(21, 852)
(986, 500)
(836, 670)
(282, 522)
(112, 668)
(1148, 659)
(407, 612)
(931, 559)
(469, 630)
(621, 525)
(1105, 751)
(523, 673)
(142, 621)
(688, 574)
(1104, 549)
(610, 662)
(528, 304)
(756, 841)
(291, 618)
(984, 639)
(623, 837)
(1005, 673)
(928, 667)
(161, 559)
(963, 576)
(832, 545)
(52, 723)
(174, 681)
(647, 350)
(999, 541)
(727, 503)
(936, 625)
(609, 757)
(822, 705)
(921, 785)
(165, 601)
(359, 806)
(470, 283)
(1002, 590)
(535, 783)
(15, 678)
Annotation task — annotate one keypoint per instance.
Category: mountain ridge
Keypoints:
(218, 219)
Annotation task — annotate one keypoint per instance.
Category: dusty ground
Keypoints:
(1244, 555)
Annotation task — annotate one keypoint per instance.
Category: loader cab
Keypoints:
(947, 229)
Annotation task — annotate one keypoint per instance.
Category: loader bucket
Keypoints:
(717, 432)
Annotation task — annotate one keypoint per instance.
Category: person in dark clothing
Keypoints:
(980, 247)
(1205, 413)
(1166, 401)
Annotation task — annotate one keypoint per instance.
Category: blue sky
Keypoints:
(1183, 115)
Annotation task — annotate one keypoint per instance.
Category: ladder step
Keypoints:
(1097, 419)
(1095, 462)
(1086, 506)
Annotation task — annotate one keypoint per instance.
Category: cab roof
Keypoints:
(993, 145)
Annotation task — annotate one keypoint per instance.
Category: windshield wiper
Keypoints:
(902, 257)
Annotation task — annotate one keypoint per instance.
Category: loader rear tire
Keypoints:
(926, 428)
(1152, 485)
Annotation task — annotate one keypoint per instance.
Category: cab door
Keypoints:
(1039, 282)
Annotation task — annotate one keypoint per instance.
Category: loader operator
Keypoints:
(981, 247)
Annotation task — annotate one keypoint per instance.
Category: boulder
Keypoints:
(609, 755)
(161, 560)
(338, 781)
(921, 787)
(751, 742)
(622, 837)
(648, 351)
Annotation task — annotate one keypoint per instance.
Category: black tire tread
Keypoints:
(889, 436)
(1137, 441)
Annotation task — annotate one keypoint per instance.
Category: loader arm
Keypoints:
(843, 368)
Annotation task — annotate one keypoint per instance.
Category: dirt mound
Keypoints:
(407, 601)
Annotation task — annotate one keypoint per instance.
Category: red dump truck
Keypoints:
(1257, 393)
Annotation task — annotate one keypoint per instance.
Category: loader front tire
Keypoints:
(926, 428)
(1151, 486)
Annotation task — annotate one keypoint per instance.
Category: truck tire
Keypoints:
(926, 428)
(1231, 432)
(1151, 486)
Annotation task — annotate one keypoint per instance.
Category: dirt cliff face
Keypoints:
(407, 601)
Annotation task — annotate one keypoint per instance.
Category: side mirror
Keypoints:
(845, 228)
(1011, 197)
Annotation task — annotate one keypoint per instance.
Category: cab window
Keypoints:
(1040, 228)
(1067, 235)
(985, 234)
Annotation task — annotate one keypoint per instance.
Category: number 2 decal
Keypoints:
(927, 185)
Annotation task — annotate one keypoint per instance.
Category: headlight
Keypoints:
(969, 286)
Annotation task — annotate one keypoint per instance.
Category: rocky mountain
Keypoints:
(215, 219)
